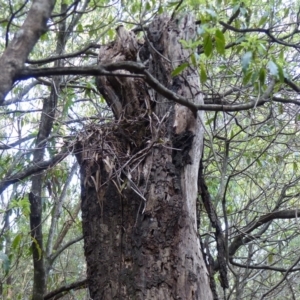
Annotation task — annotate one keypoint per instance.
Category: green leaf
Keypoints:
(203, 75)
(281, 56)
(280, 73)
(111, 33)
(45, 36)
(172, 3)
(247, 77)
(80, 27)
(259, 162)
(207, 45)
(5, 262)
(209, 121)
(16, 242)
(180, 68)
(201, 30)
(263, 19)
(262, 76)
(37, 247)
(184, 43)
(286, 12)
(194, 59)
(257, 87)
(211, 12)
(270, 258)
(254, 77)
(231, 134)
(245, 61)
(273, 69)
(295, 167)
(220, 41)
(280, 108)
(243, 11)
(235, 8)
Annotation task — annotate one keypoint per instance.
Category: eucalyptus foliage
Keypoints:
(247, 54)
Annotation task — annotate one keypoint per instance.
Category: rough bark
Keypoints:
(139, 175)
(35, 197)
(15, 55)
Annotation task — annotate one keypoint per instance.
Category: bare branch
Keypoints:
(18, 142)
(282, 280)
(139, 70)
(41, 166)
(292, 85)
(70, 55)
(64, 247)
(262, 30)
(263, 267)
(239, 241)
(60, 292)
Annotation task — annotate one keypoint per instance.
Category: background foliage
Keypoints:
(247, 53)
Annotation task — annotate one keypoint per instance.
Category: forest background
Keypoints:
(247, 57)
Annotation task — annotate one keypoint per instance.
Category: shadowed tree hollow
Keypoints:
(139, 174)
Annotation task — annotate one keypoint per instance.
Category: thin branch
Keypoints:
(60, 292)
(10, 21)
(282, 280)
(65, 12)
(264, 267)
(41, 166)
(139, 70)
(281, 100)
(18, 142)
(292, 85)
(262, 30)
(64, 247)
(70, 55)
(67, 225)
(20, 111)
(21, 96)
(175, 10)
(239, 241)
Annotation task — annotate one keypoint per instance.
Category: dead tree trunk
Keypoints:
(139, 175)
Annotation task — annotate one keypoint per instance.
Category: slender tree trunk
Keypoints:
(35, 196)
(139, 175)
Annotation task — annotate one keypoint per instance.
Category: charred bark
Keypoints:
(139, 176)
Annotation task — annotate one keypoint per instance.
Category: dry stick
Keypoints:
(67, 225)
(280, 282)
(60, 292)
